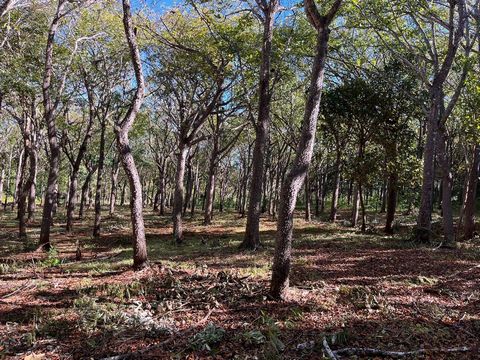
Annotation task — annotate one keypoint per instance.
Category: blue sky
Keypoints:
(158, 5)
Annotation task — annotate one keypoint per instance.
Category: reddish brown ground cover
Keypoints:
(207, 300)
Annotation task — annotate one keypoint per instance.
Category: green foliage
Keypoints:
(208, 338)
(93, 316)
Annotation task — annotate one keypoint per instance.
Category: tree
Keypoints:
(296, 175)
(122, 129)
(269, 10)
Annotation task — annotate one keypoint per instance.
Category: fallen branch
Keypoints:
(394, 354)
(331, 355)
(27, 286)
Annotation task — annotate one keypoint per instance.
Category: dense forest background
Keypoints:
(246, 155)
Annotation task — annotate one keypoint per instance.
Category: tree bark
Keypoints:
(251, 240)
(392, 194)
(210, 190)
(49, 118)
(336, 186)
(140, 259)
(9, 173)
(283, 245)
(85, 190)
(471, 195)
(32, 193)
(114, 185)
(447, 211)
(179, 194)
(308, 211)
(98, 189)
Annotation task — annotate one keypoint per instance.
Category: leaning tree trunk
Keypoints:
(252, 233)
(293, 181)
(139, 243)
(471, 195)
(179, 194)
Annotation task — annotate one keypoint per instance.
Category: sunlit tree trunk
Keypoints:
(296, 175)
(252, 235)
(139, 243)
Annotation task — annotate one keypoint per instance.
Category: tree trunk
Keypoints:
(424, 221)
(72, 198)
(210, 190)
(114, 185)
(32, 194)
(336, 186)
(356, 205)
(139, 243)
(85, 190)
(2, 179)
(384, 197)
(98, 192)
(23, 194)
(49, 118)
(251, 240)
(19, 177)
(447, 211)
(308, 212)
(296, 175)
(471, 195)
(9, 174)
(179, 193)
(392, 194)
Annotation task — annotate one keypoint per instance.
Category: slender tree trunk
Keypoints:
(179, 193)
(2, 179)
(471, 195)
(49, 117)
(19, 177)
(98, 192)
(384, 197)
(296, 175)
(362, 206)
(122, 196)
(210, 190)
(85, 190)
(194, 193)
(72, 198)
(308, 211)
(447, 211)
(139, 244)
(24, 186)
(251, 240)
(32, 194)
(356, 205)
(336, 186)
(113, 189)
(9, 174)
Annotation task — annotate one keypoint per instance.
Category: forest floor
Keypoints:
(207, 300)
